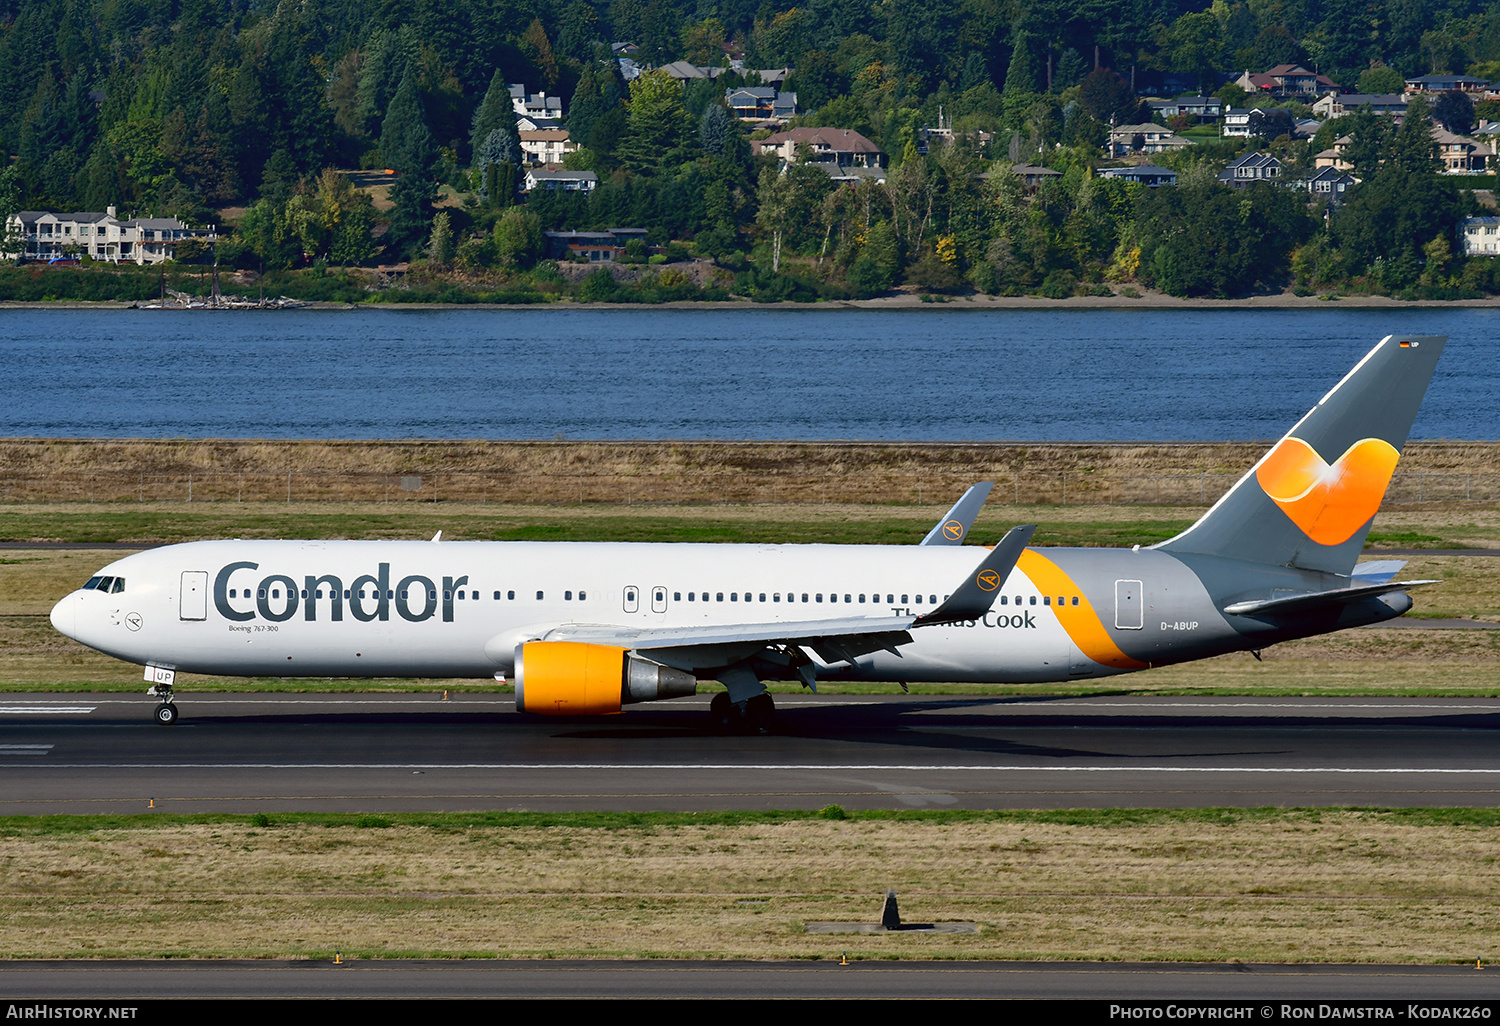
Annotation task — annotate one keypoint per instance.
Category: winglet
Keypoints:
(975, 596)
(953, 528)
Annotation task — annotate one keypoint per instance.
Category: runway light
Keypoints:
(338, 958)
(844, 958)
(445, 696)
(152, 805)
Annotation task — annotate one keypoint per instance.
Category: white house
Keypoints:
(1480, 236)
(559, 180)
(100, 236)
(546, 146)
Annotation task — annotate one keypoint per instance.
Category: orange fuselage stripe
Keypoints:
(1081, 621)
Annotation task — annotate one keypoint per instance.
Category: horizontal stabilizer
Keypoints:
(1377, 571)
(973, 598)
(1318, 599)
(953, 528)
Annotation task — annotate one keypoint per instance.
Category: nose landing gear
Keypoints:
(166, 710)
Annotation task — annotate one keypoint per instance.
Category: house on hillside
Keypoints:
(1147, 138)
(1250, 168)
(1200, 108)
(1446, 84)
(559, 180)
(1460, 154)
(1328, 183)
(761, 103)
(596, 247)
(1333, 157)
(546, 146)
(840, 146)
(44, 235)
(1032, 175)
(1149, 175)
(1334, 105)
(537, 105)
(1286, 80)
(1480, 236)
(685, 70)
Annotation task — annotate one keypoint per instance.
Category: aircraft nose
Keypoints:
(65, 616)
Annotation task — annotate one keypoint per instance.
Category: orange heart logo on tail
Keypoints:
(1328, 502)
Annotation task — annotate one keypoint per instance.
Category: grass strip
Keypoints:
(62, 825)
(1264, 884)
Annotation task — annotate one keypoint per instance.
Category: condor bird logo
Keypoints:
(989, 580)
(1329, 502)
(953, 529)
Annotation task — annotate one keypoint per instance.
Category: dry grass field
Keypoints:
(96, 470)
(1258, 885)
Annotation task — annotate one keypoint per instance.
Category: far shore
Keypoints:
(1148, 300)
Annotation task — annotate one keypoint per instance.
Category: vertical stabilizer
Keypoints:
(1309, 502)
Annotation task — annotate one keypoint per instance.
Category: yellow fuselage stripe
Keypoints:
(1081, 621)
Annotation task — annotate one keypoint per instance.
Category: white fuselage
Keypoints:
(458, 609)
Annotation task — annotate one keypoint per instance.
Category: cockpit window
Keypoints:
(119, 585)
(93, 583)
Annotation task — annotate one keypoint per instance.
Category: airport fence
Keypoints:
(1073, 488)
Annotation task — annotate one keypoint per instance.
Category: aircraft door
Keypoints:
(193, 602)
(658, 599)
(632, 598)
(1130, 612)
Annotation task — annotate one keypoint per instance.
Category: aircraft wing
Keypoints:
(954, 526)
(834, 640)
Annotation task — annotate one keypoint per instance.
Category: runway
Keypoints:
(560, 978)
(79, 753)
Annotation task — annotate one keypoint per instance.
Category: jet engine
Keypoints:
(570, 678)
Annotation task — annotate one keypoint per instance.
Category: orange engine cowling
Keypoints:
(571, 678)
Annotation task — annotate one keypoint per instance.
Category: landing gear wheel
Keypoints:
(760, 715)
(722, 712)
(166, 714)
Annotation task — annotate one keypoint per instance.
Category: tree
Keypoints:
(495, 113)
(10, 203)
(1271, 123)
(715, 128)
(657, 126)
(1399, 208)
(1381, 80)
(1209, 240)
(1108, 98)
(405, 141)
(440, 244)
(518, 238)
(1454, 110)
(1022, 75)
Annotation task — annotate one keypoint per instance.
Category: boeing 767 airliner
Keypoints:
(585, 628)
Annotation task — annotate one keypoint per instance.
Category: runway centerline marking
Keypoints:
(32, 710)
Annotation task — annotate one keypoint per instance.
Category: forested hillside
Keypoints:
(212, 110)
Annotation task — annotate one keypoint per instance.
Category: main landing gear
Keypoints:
(756, 715)
(166, 709)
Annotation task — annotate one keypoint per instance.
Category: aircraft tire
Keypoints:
(722, 712)
(166, 714)
(760, 715)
